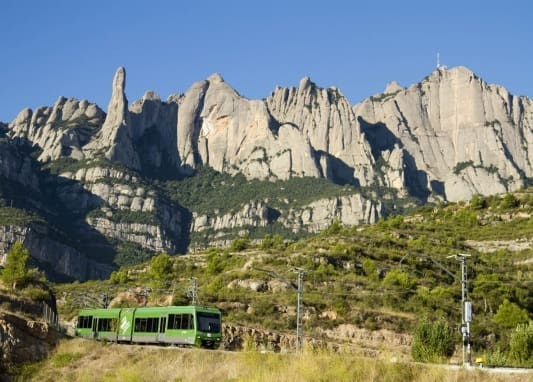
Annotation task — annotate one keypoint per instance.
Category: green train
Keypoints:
(170, 325)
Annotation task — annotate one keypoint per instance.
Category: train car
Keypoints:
(171, 325)
(98, 324)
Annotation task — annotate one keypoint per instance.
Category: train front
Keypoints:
(208, 327)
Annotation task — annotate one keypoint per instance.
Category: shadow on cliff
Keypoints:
(61, 220)
(381, 138)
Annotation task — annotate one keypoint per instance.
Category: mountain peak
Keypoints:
(393, 87)
(215, 78)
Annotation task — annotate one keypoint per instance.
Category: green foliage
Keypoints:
(36, 294)
(478, 202)
(210, 191)
(119, 277)
(334, 228)
(131, 253)
(16, 216)
(509, 315)
(267, 242)
(60, 360)
(521, 345)
(496, 358)
(461, 166)
(161, 267)
(399, 278)
(432, 341)
(509, 201)
(15, 266)
(240, 243)
(370, 268)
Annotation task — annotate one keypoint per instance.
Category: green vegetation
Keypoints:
(15, 269)
(521, 345)
(432, 341)
(16, 216)
(210, 191)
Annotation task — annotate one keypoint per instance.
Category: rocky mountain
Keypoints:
(117, 187)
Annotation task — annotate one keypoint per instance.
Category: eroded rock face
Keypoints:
(219, 128)
(23, 340)
(460, 135)
(57, 256)
(115, 138)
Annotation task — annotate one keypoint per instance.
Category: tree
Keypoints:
(161, 267)
(432, 341)
(15, 266)
(509, 315)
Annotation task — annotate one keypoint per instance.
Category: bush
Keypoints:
(432, 341)
(509, 315)
(119, 277)
(521, 345)
(36, 294)
(161, 267)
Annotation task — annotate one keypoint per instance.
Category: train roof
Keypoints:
(148, 309)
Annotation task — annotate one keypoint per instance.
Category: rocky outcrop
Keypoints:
(326, 119)
(115, 138)
(459, 135)
(348, 210)
(149, 236)
(17, 167)
(154, 132)
(23, 340)
(55, 256)
(219, 128)
(314, 217)
(59, 131)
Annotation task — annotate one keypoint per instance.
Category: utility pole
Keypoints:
(193, 291)
(299, 335)
(466, 310)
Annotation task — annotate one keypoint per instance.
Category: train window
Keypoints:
(149, 325)
(84, 322)
(180, 321)
(106, 324)
(208, 322)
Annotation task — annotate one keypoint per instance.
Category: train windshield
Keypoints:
(208, 322)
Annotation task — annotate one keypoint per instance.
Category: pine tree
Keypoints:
(15, 267)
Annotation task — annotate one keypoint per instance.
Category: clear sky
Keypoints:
(72, 48)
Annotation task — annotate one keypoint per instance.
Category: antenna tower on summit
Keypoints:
(438, 60)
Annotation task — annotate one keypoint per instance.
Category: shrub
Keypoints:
(240, 243)
(509, 315)
(521, 345)
(508, 201)
(398, 278)
(36, 294)
(432, 341)
(161, 267)
(119, 277)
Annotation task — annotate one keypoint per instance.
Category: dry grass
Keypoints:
(82, 360)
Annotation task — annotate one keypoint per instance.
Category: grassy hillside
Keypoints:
(359, 276)
(82, 360)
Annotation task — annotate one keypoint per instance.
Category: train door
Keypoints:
(95, 326)
(162, 329)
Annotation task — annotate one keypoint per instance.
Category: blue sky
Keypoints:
(72, 48)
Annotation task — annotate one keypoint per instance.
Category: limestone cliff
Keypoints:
(459, 135)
